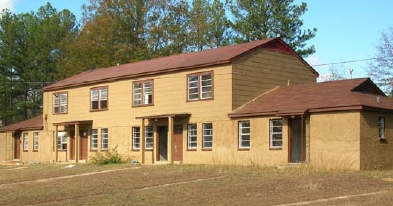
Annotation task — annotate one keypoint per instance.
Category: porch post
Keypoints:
(302, 138)
(56, 143)
(142, 146)
(170, 143)
(77, 149)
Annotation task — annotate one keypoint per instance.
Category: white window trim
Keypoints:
(199, 86)
(149, 137)
(104, 136)
(94, 139)
(143, 93)
(35, 141)
(99, 97)
(60, 100)
(190, 136)
(381, 127)
(61, 140)
(136, 135)
(272, 133)
(25, 142)
(241, 134)
(204, 135)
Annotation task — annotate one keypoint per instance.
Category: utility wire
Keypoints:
(351, 61)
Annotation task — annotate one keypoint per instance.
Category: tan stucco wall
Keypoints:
(44, 148)
(263, 70)
(334, 140)
(6, 143)
(376, 154)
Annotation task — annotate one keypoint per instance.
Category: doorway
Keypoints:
(17, 145)
(178, 140)
(162, 152)
(72, 145)
(297, 143)
(83, 145)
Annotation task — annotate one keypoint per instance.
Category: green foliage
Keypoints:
(108, 157)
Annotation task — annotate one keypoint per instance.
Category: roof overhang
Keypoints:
(79, 122)
(160, 116)
(22, 129)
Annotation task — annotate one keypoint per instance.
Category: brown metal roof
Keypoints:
(217, 56)
(34, 123)
(341, 95)
(159, 116)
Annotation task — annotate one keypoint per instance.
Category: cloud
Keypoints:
(313, 60)
(8, 4)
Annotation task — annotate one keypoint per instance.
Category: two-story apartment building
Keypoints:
(231, 105)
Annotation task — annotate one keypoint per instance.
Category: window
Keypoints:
(192, 136)
(276, 133)
(99, 98)
(200, 86)
(25, 142)
(207, 135)
(143, 93)
(35, 141)
(94, 139)
(136, 138)
(60, 102)
(149, 141)
(381, 127)
(62, 141)
(244, 135)
(104, 139)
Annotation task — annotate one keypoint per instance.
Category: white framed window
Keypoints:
(143, 93)
(381, 127)
(207, 135)
(192, 136)
(35, 141)
(200, 86)
(25, 141)
(244, 135)
(275, 133)
(99, 98)
(94, 139)
(62, 140)
(104, 139)
(60, 101)
(149, 137)
(136, 138)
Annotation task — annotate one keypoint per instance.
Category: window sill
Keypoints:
(207, 149)
(94, 150)
(136, 150)
(103, 150)
(35, 150)
(148, 149)
(192, 149)
(280, 148)
(198, 100)
(60, 113)
(63, 150)
(142, 105)
(98, 110)
(25, 150)
(243, 149)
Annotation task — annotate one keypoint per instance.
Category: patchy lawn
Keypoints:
(190, 185)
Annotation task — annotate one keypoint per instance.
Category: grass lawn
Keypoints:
(189, 185)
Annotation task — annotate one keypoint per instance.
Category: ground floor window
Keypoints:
(244, 135)
(207, 135)
(35, 141)
(149, 137)
(381, 127)
(25, 142)
(94, 139)
(276, 133)
(192, 136)
(62, 140)
(136, 138)
(104, 139)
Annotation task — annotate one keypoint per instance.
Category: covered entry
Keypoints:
(71, 138)
(296, 140)
(168, 137)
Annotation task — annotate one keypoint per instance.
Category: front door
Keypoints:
(17, 146)
(72, 145)
(162, 144)
(296, 142)
(83, 145)
(178, 140)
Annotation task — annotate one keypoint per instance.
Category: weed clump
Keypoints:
(108, 157)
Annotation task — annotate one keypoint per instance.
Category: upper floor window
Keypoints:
(381, 127)
(200, 86)
(143, 93)
(99, 98)
(244, 135)
(60, 102)
(25, 142)
(35, 141)
(276, 133)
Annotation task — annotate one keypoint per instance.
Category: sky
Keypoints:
(348, 30)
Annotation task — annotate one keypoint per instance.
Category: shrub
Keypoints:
(108, 157)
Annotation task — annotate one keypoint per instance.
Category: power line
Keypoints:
(351, 61)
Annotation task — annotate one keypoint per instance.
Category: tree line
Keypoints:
(40, 48)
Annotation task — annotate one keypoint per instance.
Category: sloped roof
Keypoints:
(34, 123)
(316, 97)
(217, 56)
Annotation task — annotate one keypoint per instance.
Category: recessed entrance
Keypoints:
(162, 139)
(72, 145)
(17, 145)
(297, 144)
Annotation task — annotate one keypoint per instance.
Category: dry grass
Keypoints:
(190, 185)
